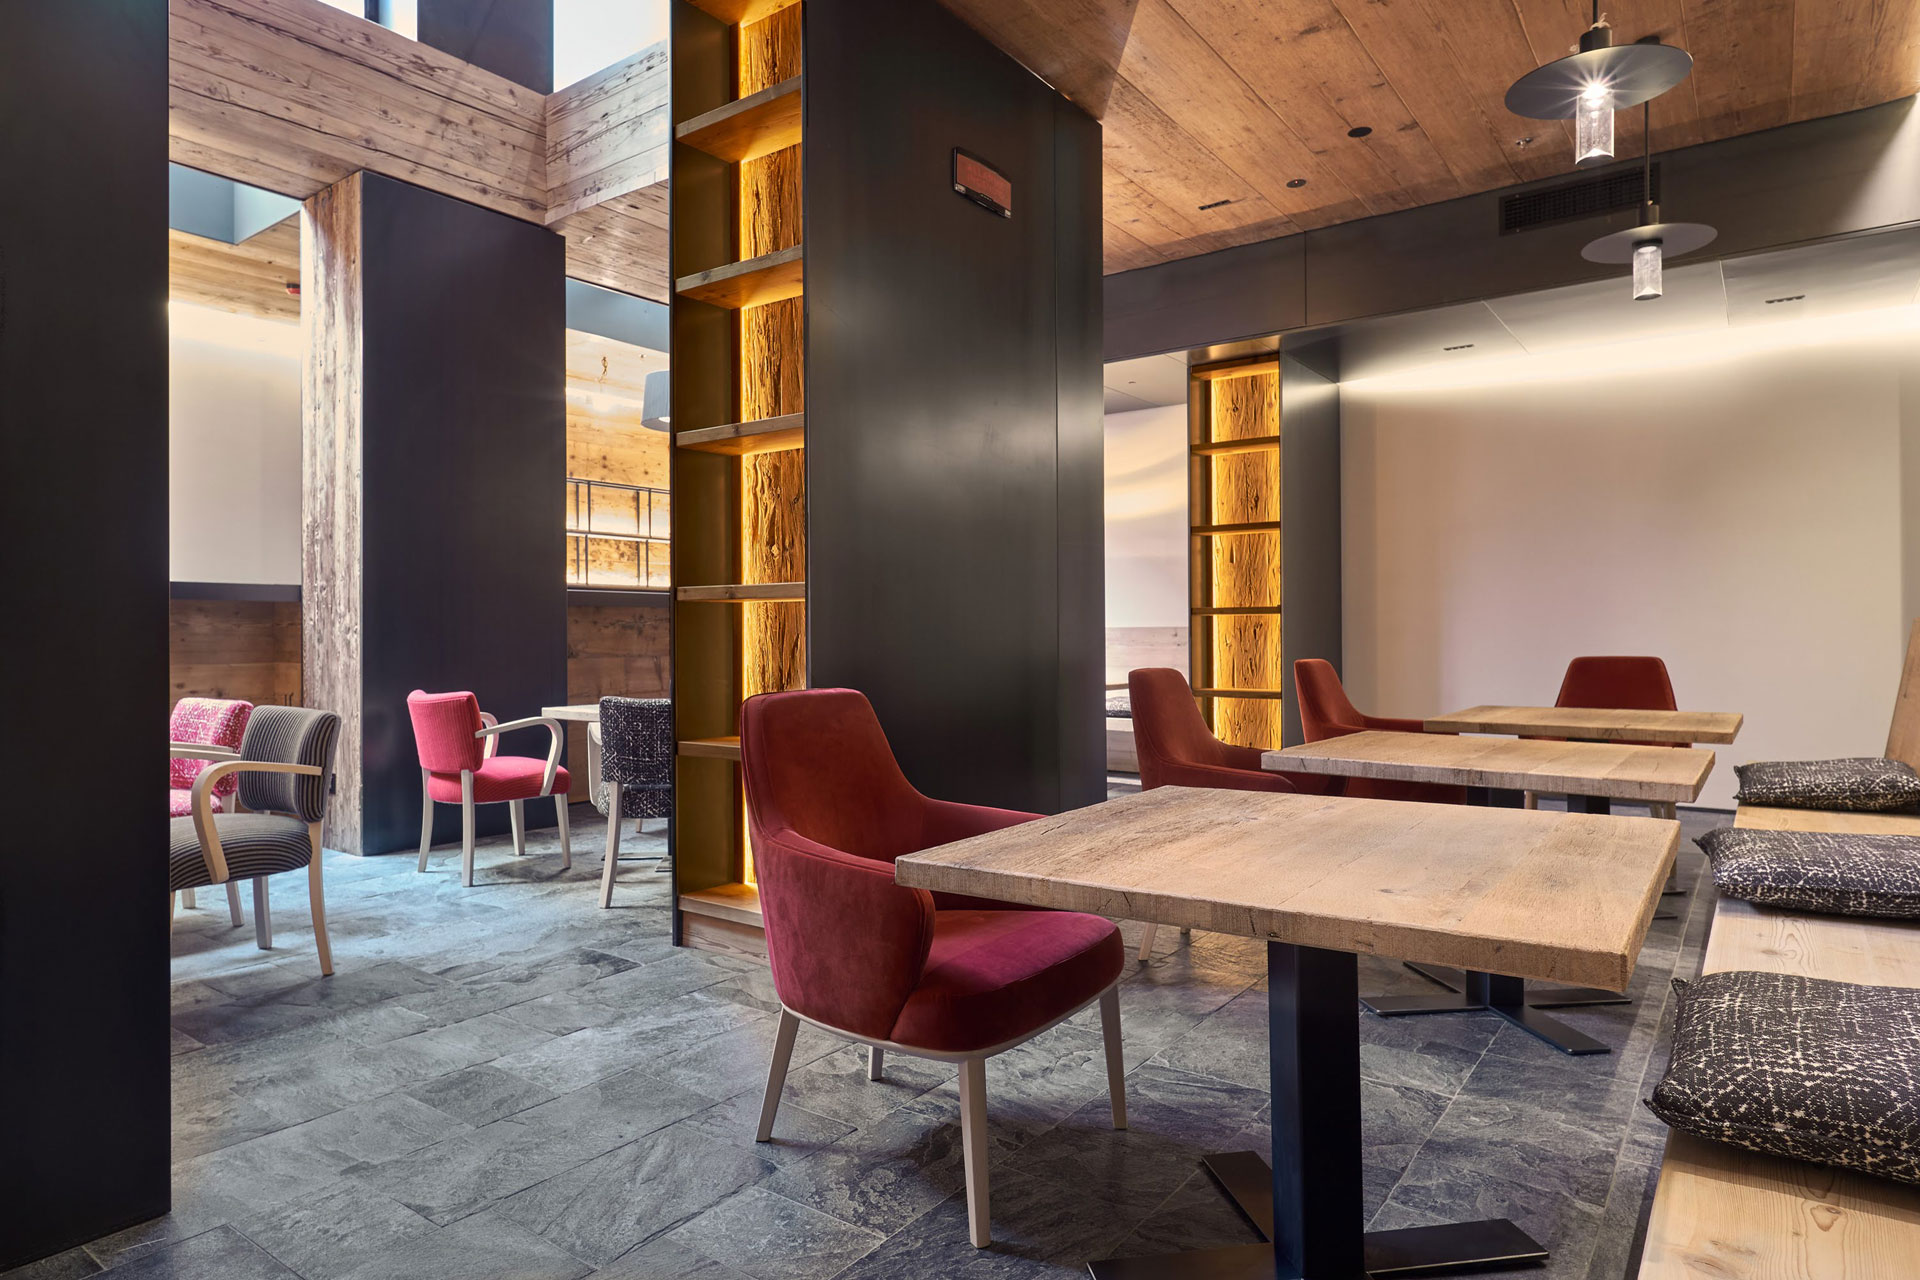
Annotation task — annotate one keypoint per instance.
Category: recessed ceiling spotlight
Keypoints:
(1523, 142)
(1359, 131)
(1462, 347)
(1792, 297)
(1296, 182)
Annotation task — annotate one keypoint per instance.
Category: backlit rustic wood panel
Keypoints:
(246, 649)
(1244, 568)
(249, 278)
(607, 136)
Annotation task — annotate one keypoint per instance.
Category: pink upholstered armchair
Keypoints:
(206, 730)
(458, 745)
(931, 975)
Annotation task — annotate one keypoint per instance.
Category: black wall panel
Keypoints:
(953, 410)
(511, 38)
(1310, 596)
(464, 484)
(83, 415)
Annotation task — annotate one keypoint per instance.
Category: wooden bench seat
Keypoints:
(1720, 1213)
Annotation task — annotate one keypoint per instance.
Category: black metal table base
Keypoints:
(1308, 1202)
(1537, 997)
(1493, 993)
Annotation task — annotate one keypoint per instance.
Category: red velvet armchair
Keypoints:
(458, 745)
(1326, 712)
(930, 975)
(1618, 684)
(1176, 749)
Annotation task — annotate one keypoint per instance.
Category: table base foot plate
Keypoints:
(1494, 1244)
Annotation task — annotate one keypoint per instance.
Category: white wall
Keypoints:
(234, 449)
(1742, 517)
(1146, 495)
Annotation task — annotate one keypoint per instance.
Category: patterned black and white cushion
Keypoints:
(1799, 1067)
(1862, 784)
(1849, 875)
(637, 754)
(255, 844)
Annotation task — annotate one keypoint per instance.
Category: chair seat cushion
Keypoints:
(1842, 874)
(255, 844)
(180, 802)
(635, 801)
(995, 976)
(501, 778)
(1798, 1067)
(1859, 784)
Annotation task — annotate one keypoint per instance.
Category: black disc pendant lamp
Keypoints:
(1589, 85)
(1649, 244)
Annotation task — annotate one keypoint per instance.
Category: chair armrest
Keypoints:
(593, 732)
(847, 943)
(945, 821)
(1394, 724)
(492, 729)
(202, 799)
(199, 751)
(489, 723)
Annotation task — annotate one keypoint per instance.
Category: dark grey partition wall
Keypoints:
(512, 38)
(83, 412)
(1310, 597)
(953, 406)
(463, 484)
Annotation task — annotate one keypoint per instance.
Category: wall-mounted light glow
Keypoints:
(1593, 127)
(1646, 271)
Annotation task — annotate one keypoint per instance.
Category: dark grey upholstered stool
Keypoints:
(285, 767)
(636, 771)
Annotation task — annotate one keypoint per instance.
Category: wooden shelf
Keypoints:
(1214, 530)
(735, 12)
(1235, 611)
(756, 125)
(1236, 693)
(1243, 368)
(771, 277)
(711, 748)
(768, 435)
(739, 903)
(1252, 444)
(743, 592)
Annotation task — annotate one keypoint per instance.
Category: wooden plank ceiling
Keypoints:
(1227, 121)
(250, 278)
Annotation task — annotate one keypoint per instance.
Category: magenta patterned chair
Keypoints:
(211, 728)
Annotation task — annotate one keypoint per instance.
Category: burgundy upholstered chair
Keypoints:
(1619, 684)
(457, 743)
(1326, 712)
(1176, 749)
(211, 728)
(853, 952)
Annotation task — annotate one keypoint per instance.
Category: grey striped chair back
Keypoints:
(289, 735)
(636, 755)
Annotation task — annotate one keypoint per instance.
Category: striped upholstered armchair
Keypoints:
(285, 767)
(635, 736)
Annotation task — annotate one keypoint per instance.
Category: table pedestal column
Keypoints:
(1309, 1202)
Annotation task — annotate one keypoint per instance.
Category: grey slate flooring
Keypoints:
(505, 1081)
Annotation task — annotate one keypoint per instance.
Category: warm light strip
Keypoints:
(1649, 355)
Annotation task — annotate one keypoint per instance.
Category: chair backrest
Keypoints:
(1903, 735)
(1168, 728)
(443, 729)
(1617, 683)
(1325, 711)
(817, 763)
(637, 751)
(212, 722)
(289, 735)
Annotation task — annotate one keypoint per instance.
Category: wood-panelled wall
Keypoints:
(613, 650)
(607, 135)
(246, 649)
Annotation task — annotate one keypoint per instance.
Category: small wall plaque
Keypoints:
(981, 183)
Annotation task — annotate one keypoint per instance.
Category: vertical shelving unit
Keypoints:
(1233, 417)
(739, 472)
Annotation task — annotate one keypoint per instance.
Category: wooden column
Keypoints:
(83, 952)
(435, 442)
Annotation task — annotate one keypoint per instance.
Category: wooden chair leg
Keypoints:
(566, 837)
(1116, 1060)
(426, 817)
(466, 828)
(876, 1061)
(233, 903)
(1146, 941)
(187, 899)
(517, 816)
(613, 849)
(777, 1073)
(973, 1146)
(1530, 799)
(262, 918)
(317, 896)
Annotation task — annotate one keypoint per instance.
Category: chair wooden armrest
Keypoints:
(203, 825)
(492, 729)
(199, 751)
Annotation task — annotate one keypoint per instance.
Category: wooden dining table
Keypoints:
(1324, 880)
(1497, 772)
(1595, 724)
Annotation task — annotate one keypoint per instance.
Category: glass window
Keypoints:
(592, 35)
(358, 8)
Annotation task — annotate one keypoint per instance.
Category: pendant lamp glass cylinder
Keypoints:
(1593, 127)
(1646, 271)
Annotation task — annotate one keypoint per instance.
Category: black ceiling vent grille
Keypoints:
(1616, 192)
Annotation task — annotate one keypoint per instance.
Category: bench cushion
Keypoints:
(1798, 1067)
(1860, 784)
(1840, 874)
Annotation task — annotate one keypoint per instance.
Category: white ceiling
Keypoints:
(1147, 383)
